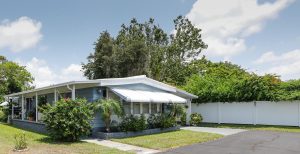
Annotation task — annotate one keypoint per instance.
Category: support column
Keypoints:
(73, 92)
(22, 108)
(141, 108)
(150, 112)
(55, 96)
(12, 110)
(36, 107)
(131, 107)
(189, 111)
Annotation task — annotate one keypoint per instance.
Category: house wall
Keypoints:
(261, 112)
(92, 95)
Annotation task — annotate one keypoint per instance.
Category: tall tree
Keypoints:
(13, 77)
(145, 48)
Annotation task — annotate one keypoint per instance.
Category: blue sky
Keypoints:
(52, 38)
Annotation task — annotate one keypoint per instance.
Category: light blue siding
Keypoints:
(92, 95)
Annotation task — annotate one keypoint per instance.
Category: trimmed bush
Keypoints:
(153, 121)
(133, 123)
(196, 119)
(68, 120)
(183, 119)
(161, 121)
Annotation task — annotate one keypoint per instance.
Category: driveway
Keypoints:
(222, 131)
(249, 142)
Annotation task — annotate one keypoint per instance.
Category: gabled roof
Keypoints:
(109, 82)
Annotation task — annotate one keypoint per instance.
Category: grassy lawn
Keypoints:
(169, 140)
(254, 127)
(41, 144)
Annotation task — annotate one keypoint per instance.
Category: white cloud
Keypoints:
(286, 64)
(271, 57)
(45, 76)
(227, 23)
(20, 34)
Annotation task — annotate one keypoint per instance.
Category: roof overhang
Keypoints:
(146, 96)
(142, 79)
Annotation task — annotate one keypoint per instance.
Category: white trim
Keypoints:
(22, 108)
(36, 107)
(73, 92)
(55, 96)
(12, 110)
(131, 107)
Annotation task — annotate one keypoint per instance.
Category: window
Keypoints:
(153, 108)
(136, 108)
(145, 108)
(127, 108)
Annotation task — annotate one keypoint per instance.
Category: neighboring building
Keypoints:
(138, 95)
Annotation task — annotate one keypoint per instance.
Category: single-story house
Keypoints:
(138, 94)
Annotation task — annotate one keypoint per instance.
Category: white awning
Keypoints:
(4, 103)
(140, 95)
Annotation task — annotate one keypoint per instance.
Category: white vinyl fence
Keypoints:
(260, 112)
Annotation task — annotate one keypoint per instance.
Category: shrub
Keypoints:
(153, 121)
(183, 119)
(196, 119)
(167, 121)
(20, 141)
(68, 119)
(107, 108)
(133, 123)
(161, 121)
(3, 116)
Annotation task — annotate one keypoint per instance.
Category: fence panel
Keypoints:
(264, 112)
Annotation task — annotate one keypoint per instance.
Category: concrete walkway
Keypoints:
(121, 146)
(222, 131)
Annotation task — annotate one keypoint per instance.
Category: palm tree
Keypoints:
(107, 108)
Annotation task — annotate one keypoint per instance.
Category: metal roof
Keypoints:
(141, 79)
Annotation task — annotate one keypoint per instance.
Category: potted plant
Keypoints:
(31, 115)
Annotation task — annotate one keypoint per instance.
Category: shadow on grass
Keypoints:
(48, 140)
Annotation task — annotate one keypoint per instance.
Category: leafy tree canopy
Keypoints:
(227, 82)
(13, 77)
(145, 48)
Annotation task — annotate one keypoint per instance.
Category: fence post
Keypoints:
(254, 112)
(219, 114)
(298, 114)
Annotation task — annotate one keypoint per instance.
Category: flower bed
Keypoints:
(105, 135)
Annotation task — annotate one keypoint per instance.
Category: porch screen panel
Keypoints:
(145, 108)
(136, 108)
(153, 108)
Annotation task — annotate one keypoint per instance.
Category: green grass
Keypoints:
(41, 144)
(169, 140)
(254, 127)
